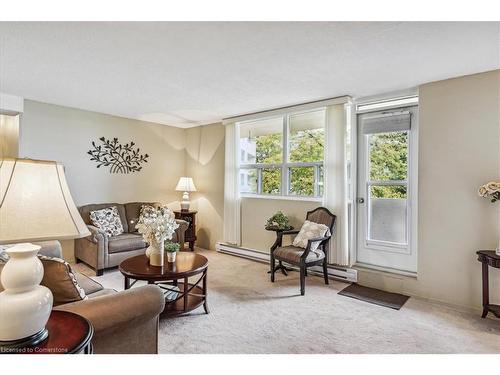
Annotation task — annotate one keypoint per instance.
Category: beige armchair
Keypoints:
(100, 251)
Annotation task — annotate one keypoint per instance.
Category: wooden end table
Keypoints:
(69, 333)
(280, 266)
(488, 258)
(190, 234)
(189, 295)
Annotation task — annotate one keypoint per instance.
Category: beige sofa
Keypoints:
(124, 322)
(100, 251)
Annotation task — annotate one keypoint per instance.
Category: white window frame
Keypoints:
(285, 165)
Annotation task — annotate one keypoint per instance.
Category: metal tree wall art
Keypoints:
(120, 158)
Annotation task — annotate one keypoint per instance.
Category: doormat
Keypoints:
(375, 296)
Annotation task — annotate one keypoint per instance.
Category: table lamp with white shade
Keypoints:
(35, 205)
(186, 185)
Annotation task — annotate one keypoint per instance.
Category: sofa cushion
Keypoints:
(126, 242)
(108, 220)
(133, 211)
(85, 212)
(88, 285)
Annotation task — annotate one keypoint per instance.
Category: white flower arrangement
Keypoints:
(490, 190)
(156, 224)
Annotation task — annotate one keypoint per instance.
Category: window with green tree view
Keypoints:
(283, 155)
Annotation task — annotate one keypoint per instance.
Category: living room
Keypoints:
(239, 188)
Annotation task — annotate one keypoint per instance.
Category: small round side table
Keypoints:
(280, 266)
(69, 333)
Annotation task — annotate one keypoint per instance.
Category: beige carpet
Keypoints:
(249, 314)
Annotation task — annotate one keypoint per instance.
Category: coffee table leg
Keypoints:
(127, 283)
(205, 292)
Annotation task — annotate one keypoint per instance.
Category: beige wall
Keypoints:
(459, 149)
(205, 164)
(256, 211)
(65, 134)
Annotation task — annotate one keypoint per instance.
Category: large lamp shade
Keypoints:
(35, 203)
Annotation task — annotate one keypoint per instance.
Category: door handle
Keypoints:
(360, 200)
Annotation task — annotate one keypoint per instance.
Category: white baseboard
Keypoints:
(336, 272)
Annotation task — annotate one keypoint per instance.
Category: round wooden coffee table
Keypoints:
(180, 296)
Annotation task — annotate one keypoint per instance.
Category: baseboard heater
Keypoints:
(336, 272)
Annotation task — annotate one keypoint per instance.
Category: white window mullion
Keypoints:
(285, 181)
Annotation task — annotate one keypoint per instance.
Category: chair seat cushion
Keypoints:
(292, 254)
(125, 242)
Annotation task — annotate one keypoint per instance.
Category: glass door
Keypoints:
(384, 191)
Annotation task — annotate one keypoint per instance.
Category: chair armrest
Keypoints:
(115, 311)
(183, 225)
(317, 239)
(322, 240)
(279, 237)
(96, 234)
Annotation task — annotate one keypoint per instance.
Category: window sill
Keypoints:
(282, 198)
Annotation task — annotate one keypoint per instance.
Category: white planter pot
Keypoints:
(171, 256)
(25, 305)
(155, 253)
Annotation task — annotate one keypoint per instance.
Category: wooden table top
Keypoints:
(68, 333)
(185, 265)
(489, 253)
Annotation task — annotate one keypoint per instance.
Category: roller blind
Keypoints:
(387, 122)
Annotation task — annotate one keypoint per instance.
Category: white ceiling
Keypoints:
(191, 73)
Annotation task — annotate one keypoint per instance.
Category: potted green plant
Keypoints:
(171, 248)
(279, 221)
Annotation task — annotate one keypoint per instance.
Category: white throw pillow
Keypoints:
(108, 220)
(309, 231)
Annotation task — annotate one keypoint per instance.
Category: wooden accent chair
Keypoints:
(304, 258)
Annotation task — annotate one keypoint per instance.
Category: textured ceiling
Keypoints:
(191, 73)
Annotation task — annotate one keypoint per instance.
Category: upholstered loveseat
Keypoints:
(100, 251)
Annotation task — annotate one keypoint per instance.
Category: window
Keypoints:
(283, 155)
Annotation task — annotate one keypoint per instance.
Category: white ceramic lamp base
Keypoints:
(26, 305)
(185, 202)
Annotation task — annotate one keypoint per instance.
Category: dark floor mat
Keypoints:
(375, 296)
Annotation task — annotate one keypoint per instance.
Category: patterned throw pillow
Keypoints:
(309, 231)
(108, 220)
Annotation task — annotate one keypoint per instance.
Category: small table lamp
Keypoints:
(35, 205)
(186, 185)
